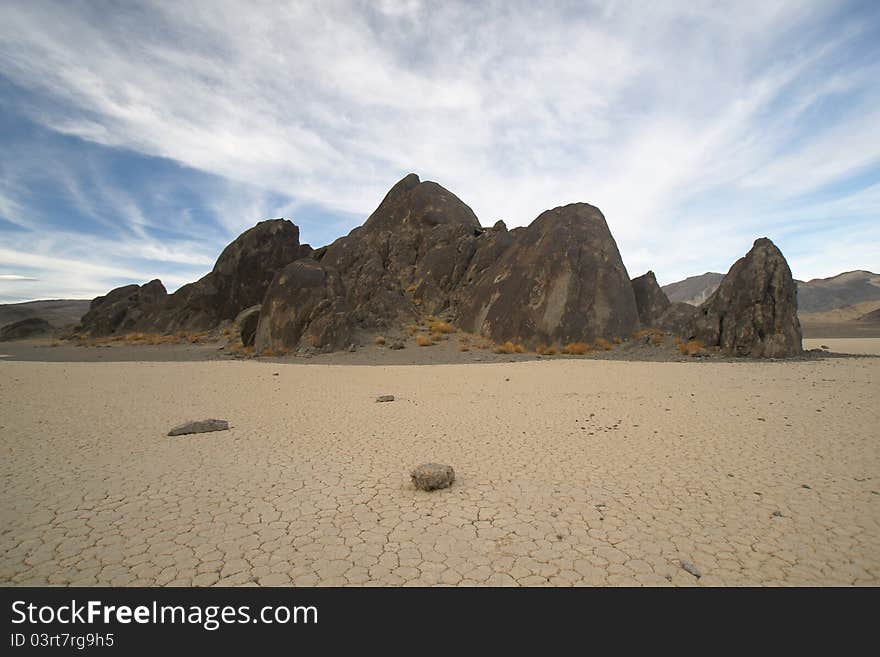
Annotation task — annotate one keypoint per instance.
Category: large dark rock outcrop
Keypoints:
(25, 328)
(655, 309)
(240, 278)
(304, 307)
(121, 310)
(754, 310)
(559, 280)
(407, 257)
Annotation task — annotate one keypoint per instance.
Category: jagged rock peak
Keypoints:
(419, 204)
(754, 310)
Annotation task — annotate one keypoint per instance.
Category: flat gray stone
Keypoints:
(432, 476)
(199, 426)
(385, 398)
(691, 568)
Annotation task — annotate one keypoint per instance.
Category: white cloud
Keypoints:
(15, 277)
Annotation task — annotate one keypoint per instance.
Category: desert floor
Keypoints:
(568, 472)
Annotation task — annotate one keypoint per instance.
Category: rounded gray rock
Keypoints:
(432, 476)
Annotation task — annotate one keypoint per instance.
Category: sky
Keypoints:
(138, 139)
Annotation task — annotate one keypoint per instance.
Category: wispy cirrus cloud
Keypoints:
(694, 127)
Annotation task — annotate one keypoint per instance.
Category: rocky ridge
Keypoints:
(423, 252)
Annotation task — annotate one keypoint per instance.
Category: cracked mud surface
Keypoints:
(569, 473)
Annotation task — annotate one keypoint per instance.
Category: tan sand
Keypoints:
(570, 472)
(846, 345)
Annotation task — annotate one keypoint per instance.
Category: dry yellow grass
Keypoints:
(691, 348)
(424, 341)
(576, 348)
(412, 288)
(463, 347)
(602, 343)
(550, 351)
(379, 339)
(438, 326)
(616, 340)
(508, 348)
(413, 329)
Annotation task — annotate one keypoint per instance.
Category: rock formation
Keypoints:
(305, 307)
(245, 324)
(239, 280)
(25, 328)
(407, 257)
(754, 310)
(423, 252)
(559, 280)
(121, 310)
(655, 309)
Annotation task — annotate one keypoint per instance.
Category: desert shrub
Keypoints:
(602, 343)
(550, 351)
(424, 341)
(463, 347)
(417, 302)
(413, 329)
(313, 341)
(616, 340)
(657, 339)
(506, 348)
(540, 349)
(576, 348)
(379, 339)
(437, 326)
(519, 349)
(691, 348)
(412, 288)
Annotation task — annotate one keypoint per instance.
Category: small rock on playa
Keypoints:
(385, 398)
(432, 476)
(199, 426)
(691, 568)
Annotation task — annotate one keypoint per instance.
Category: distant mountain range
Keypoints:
(694, 289)
(58, 312)
(815, 296)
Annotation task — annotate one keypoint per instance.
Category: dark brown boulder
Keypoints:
(122, 310)
(559, 280)
(305, 306)
(240, 278)
(25, 328)
(407, 257)
(245, 324)
(678, 319)
(754, 310)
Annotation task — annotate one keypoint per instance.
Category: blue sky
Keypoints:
(138, 140)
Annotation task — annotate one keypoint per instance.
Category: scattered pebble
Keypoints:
(385, 398)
